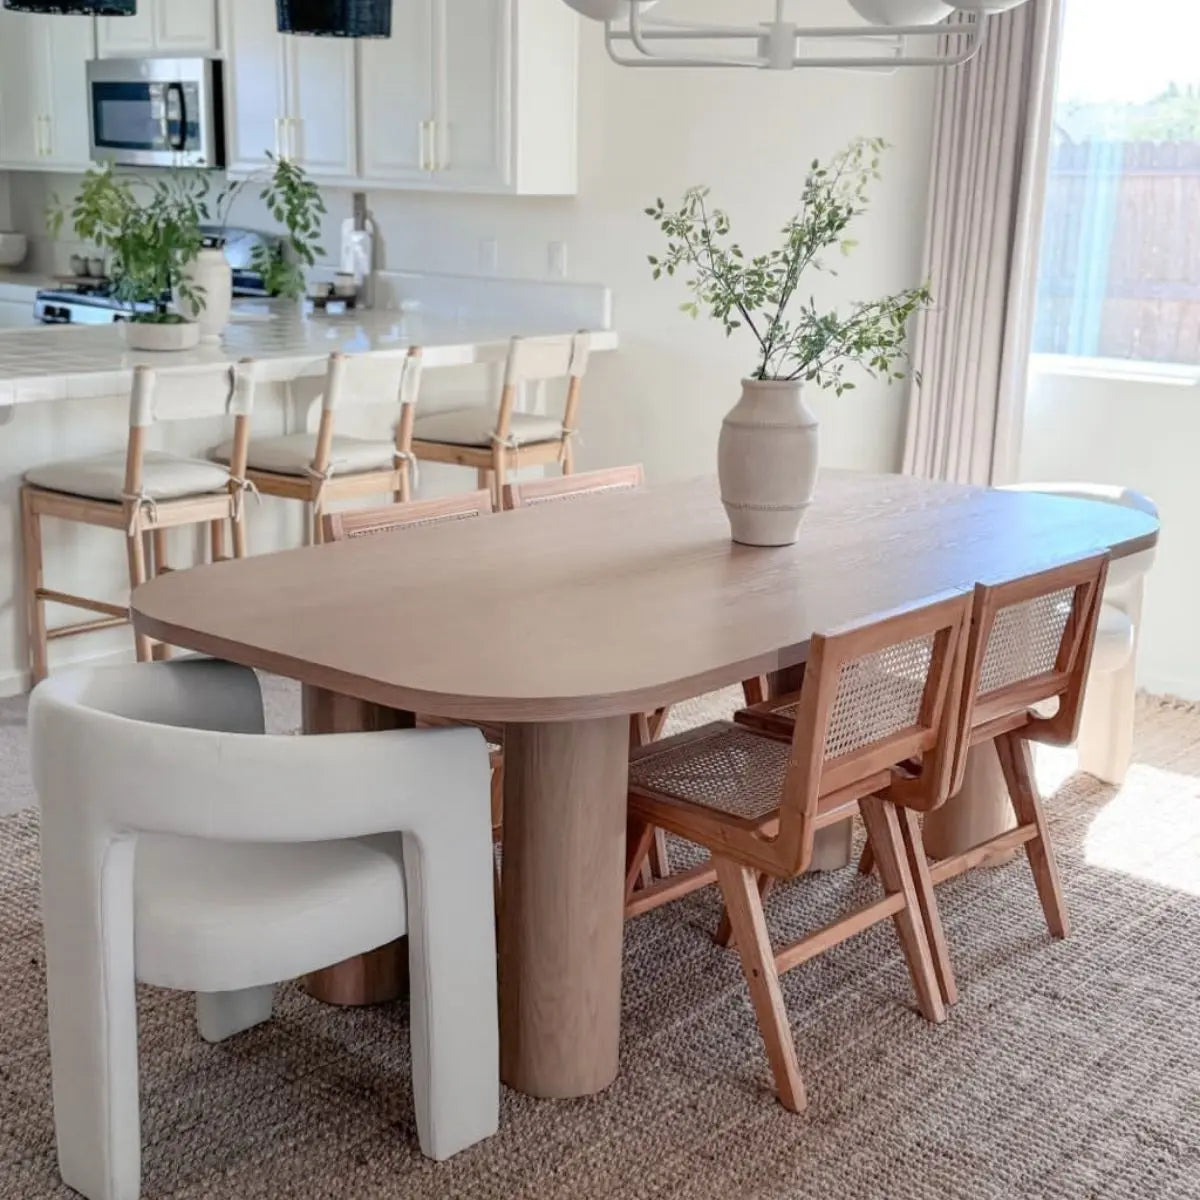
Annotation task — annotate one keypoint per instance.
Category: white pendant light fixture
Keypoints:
(895, 28)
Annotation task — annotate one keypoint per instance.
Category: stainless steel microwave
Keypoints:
(156, 112)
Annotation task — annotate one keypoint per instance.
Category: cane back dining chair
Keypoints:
(327, 466)
(1030, 649)
(141, 493)
(874, 696)
(184, 848)
(350, 524)
(494, 441)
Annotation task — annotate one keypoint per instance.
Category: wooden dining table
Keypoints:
(561, 620)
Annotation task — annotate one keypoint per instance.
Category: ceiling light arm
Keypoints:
(771, 37)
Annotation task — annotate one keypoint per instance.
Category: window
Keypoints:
(1120, 267)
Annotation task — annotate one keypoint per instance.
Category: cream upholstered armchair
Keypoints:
(1106, 728)
(184, 848)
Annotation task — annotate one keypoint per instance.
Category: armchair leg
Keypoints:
(221, 1015)
(1106, 724)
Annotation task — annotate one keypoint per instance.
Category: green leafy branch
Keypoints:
(759, 292)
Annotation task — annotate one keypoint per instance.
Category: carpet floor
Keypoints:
(1067, 1070)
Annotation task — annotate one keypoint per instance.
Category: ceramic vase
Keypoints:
(210, 275)
(767, 462)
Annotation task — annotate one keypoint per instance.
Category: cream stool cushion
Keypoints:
(475, 426)
(209, 908)
(164, 476)
(293, 453)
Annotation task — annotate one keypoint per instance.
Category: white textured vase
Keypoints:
(211, 277)
(767, 462)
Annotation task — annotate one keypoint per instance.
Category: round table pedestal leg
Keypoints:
(981, 810)
(562, 913)
(382, 974)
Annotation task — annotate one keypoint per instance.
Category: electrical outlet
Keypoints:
(489, 255)
(556, 260)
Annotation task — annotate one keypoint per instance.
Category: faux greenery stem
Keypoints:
(795, 342)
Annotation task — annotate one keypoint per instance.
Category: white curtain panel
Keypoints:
(983, 230)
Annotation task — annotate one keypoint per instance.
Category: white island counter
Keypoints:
(456, 320)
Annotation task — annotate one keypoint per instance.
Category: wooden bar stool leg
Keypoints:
(238, 526)
(136, 548)
(35, 606)
(883, 826)
(918, 864)
(1017, 765)
(739, 886)
(216, 535)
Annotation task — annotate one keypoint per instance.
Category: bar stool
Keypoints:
(142, 493)
(492, 443)
(325, 466)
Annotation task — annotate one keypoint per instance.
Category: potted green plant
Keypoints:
(296, 203)
(151, 231)
(768, 450)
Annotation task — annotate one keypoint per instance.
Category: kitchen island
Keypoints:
(64, 394)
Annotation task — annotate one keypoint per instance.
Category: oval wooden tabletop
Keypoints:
(611, 604)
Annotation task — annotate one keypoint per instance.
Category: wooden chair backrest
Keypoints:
(874, 697)
(569, 487)
(384, 378)
(189, 394)
(1031, 641)
(354, 523)
(533, 360)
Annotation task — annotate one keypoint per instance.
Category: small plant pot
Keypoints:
(144, 335)
(767, 462)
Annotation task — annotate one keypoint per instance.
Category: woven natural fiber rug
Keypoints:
(1067, 1070)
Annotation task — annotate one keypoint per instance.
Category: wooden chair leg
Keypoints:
(35, 606)
(866, 864)
(883, 828)
(656, 722)
(724, 935)
(238, 526)
(1017, 764)
(638, 836)
(918, 864)
(660, 858)
(499, 476)
(216, 540)
(755, 690)
(136, 548)
(739, 886)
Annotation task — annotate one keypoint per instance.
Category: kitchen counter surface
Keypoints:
(77, 362)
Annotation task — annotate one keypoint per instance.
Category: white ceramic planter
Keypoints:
(182, 336)
(767, 462)
(210, 275)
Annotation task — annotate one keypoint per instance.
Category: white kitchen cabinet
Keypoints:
(287, 95)
(43, 91)
(472, 95)
(182, 27)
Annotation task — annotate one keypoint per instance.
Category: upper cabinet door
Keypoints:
(160, 27)
(22, 113)
(473, 85)
(123, 37)
(255, 84)
(395, 97)
(321, 118)
(70, 42)
(184, 26)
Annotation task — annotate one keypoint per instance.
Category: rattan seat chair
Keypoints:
(756, 802)
(1030, 650)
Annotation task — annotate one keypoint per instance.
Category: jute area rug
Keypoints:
(1067, 1070)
